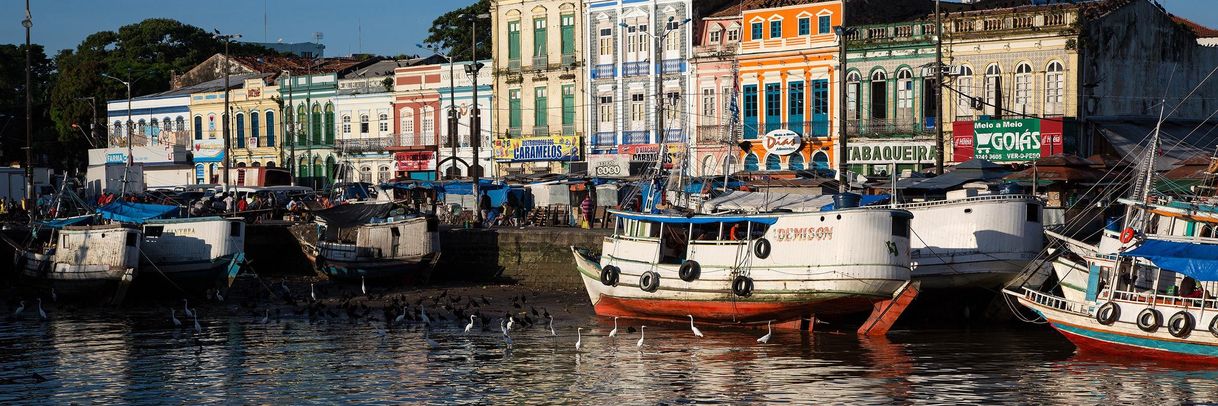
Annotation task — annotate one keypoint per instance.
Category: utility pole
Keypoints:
(228, 159)
(28, 22)
(938, 90)
(843, 153)
(290, 129)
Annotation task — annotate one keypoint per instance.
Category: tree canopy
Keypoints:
(12, 100)
(452, 31)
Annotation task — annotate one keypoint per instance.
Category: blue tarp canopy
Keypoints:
(695, 219)
(867, 200)
(137, 213)
(1199, 261)
(70, 221)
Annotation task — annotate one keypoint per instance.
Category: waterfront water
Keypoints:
(106, 356)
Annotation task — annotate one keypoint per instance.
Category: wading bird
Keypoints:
(363, 288)
(766, 338)
(470, 325)
(186, 308)
(266, 318)
(41, 313)
(173, 316)
(54, 297)
(195, 315)
(423, 315)
(20, 308)
(401, 317)
(697, 333)
(579, 340)
(552, 332)
(430, 343)
(642, 334)
(510, 322)
(312, 292)
(613, 333)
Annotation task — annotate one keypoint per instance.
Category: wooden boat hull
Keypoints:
(410, 271)
(68, 279)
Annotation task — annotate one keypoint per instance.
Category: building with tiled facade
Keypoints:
(714, 64)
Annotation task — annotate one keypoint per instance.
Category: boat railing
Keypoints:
(1160, 299)
(1055, 302)
(955, 201)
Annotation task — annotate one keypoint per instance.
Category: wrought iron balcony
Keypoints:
(604, 139)
(675, 135)
(879, 127)
(568, 129)
(673, 65)
(363, 145)
(514, 132)
(568, 60)
(541, 62)
(604, 71)
(636, 137)
(541, 131)
(514, 65)
(635, 69)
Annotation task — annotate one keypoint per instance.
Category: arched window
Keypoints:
(905, 90)
(365, 174)
(1023, 87)
(796, 162)
(256, 164)
(993, 90)
(382, 172)
(154, 125)
(118, 129)
(820, 160)
(198, 127)
(270, 128)
(852, 95)
(255, 132)
(302, 125)
(879, 95)
(773, 162)
(383, 123)
(199, 174)
(1055, 86)
(346, 124)
(363, 124)
(329, 124)
(964, 84)
(429, 126)
(179, 124)
(318, 170)
(143, 127)
(240, 130)
(750, 162)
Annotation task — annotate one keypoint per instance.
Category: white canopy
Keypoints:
(751, 202)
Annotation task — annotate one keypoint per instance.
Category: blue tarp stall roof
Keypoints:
(695, 219)
(137, 213)
(867, 200)
(70, 221)
(1200, 261)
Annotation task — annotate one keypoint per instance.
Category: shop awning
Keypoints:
(1199, 261)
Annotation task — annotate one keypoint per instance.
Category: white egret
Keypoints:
(20, 308)
(613, 332)
(509, 323)
(219, 298)
(401, 317)
(195, 315)
(423, 315)
(470, 325)
(173, 316)
(430, 343)
(54, 297)
(41, 313)
(579, 340)
(186, 309)
(642, 334)
(697, 333)
(312, 292)
(552, 332)
(766, 338)
(266, 318)
(363, 287)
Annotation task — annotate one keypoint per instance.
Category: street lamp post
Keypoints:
(842, 151)
(228, 159)
(130, 134)
(28, 23)
(475, 117)
(939, 90)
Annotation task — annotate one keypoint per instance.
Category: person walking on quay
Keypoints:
(484, 206)
(586, 207)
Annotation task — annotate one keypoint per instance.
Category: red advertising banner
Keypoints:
(415, 161)
(962, 141)
(1051, 138)
(964, 136)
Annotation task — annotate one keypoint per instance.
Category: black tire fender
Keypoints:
(761, 248)
(742, 286)
(1181, 324)
(649, 281)
(610, 275)
(1150, 320)
(1108, 313)
(690, 271)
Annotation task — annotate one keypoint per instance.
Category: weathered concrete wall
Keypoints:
(536, 257)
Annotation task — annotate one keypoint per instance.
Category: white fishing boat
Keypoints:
(748, 268)
(193, 253)
(365, 240)
(81, 260)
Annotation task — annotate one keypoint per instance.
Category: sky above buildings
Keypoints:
(384, 27)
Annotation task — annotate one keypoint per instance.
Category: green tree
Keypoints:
(12, 102)
(452, 31)
(147, 54)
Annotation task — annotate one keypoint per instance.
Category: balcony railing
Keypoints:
(514, 65)
(568, 129)
(568, 60)
(888, 126)
(541, 62)
(362, 145)
(602, 71)
(514, 132)
(174, 138)
(674, 135)
(635, 137)
(635, 69)
(713, 133)
(541, 131)
(604, 139)
(673, 65)
(412, 140)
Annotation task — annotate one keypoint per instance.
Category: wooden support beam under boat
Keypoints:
(885, 313)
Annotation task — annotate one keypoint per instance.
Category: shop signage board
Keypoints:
(782, 142)
(609, 165)
(538, 149)
(900, 152)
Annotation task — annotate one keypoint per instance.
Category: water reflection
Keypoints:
(136, 358)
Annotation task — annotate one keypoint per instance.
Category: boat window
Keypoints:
(1034, 213)
(706, 232)
(154, 231)
(619, 226)
(734, 231)
(675, 243)
(396, 232)
(900, 226)
(757, 230)
(131, 239)
(234, 229)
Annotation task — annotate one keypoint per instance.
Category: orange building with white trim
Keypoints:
(788, 81)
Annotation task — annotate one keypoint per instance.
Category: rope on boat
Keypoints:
(158, 269)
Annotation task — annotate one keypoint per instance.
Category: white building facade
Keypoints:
(365, 128)
(158, 129)
(457, 90)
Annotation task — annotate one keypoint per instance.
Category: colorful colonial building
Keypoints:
(365, 123)
(788, 78)
(715, 69)
(416, 109)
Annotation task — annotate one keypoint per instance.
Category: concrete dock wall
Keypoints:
(537, 257)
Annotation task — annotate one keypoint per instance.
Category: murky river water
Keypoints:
(111, 357)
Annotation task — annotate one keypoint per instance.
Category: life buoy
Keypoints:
(610, 275)
(742, 286)
(1181, 324)
(690, 271)
(761, 248)
(1149, 320)
(1108, 314)
(649, 281)
(1214, 326)
(1127, 235)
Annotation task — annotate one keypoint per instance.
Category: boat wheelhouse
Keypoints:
(370, 240)
(81, 259)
